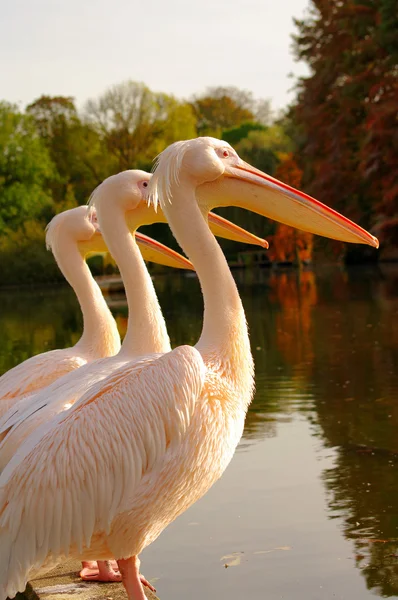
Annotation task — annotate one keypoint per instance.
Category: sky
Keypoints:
(80, 47)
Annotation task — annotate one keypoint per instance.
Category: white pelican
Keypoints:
(154, 436)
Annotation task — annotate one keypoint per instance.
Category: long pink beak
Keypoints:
(154, 251)
(263, 194)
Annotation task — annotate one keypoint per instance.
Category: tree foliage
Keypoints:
(223, 108)
(135, 123)
(339, 141)
(25, 168)
(75, 148)
(346, 112)
(289, 244)
(261, 147)
(53, 156)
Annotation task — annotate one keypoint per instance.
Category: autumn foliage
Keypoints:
(346, 110)
(288, 244)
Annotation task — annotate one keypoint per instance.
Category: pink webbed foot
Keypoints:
(104, 570)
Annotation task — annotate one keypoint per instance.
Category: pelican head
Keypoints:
(127, 191)
(222, 178)
(74, 224)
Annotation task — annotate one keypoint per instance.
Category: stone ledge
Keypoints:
(64, 583)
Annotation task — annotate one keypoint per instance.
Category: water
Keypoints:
(308, 507)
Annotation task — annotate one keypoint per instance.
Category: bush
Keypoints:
(24, 257)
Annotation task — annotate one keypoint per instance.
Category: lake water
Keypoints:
(308, 508)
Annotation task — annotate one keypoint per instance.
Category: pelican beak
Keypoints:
(249, 188)
(153, 251)
(144, 215)
(223, 228)
(95, 245)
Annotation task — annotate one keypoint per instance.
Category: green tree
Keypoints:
(136, 123)
(76, 149)
(223, 108)
(261, 147)
(236, 134)
(216, 113)
(25, 168)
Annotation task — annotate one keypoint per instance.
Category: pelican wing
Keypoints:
(33, 410)
(36, 413)
(34, 374)
(85, 471)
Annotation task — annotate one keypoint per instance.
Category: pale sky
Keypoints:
(80, 47)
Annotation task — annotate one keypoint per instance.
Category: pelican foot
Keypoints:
(104, 570)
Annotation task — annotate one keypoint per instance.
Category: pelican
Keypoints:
(156, 435)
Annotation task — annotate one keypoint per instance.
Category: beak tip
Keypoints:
(376, 243)
(265, 244)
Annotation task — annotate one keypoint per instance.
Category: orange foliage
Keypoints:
(288, 244)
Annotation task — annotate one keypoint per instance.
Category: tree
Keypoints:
(346, 109)
(236, 134)
(75, 148)
(217, 111)
(50, 111)
(223, 108)
(135, 123)
(289, 244)
(25, 168)
(261, 147)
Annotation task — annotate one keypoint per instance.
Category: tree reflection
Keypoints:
(33, 321)
(349, 352)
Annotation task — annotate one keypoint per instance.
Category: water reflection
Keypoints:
(326, 352)
(357, 413)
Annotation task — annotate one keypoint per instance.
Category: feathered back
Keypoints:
(166, 171)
